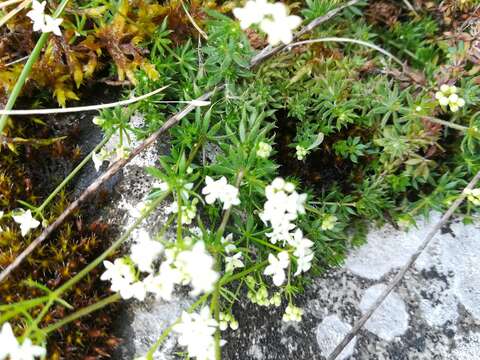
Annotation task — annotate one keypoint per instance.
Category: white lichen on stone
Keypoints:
(390, 319)
(385, 250)
(149, 322)
(330, 332)
(467, 348)
(440, 304)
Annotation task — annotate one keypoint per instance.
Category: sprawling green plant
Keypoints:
(303, 150)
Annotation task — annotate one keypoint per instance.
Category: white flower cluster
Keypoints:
(260, 297)
(196, 332)
(273, 19)
(226, 320)
(282, 207)
(220, 190)
(301, 152)
(11, 349)
(329, 221)
(193, 266)
(42, 22)
(447, 96)
(232, 262)
(264, 150)
(292, 313)
(473, 195)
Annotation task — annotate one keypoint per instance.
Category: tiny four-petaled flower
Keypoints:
(26, 221)
(273, 19)
(42, 22)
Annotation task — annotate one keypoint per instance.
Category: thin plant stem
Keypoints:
(111, 249)
(82, 312)
(72, 174)
(348, 40)
(27, 68)
(200, 301)
(445, 123)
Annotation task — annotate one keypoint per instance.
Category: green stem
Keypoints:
(169, 329)
(111, 249)
(241, 274)
(27, 68)
(222, 282)
(265, 243)
(82, 312)
(445, 123)
(72, 174)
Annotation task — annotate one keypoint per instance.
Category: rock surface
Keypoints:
(433, 314)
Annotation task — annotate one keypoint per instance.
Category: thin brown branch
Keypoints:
(269, 51)
(400, 275)
(172, 121)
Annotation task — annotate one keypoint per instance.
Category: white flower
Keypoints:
(220, 190)
(189, 211)
(228, 244)
(252, 13)
(163, 284)
(26, 221)
(196, 332)
(11, 349)
(303, 252)
(292, 313)
(281, 231)
(196, 266)
(122, 277)
(145, 251)
(42, 22)
(97, 161)
(277, 264)
(279, 25)
(301, 152)
(328, 222)
(473, 195)
(137, 290)
(7, 340)
(455, 102)
(52, 25)
(264, 150)
(27, 351)
(233, 262)
(273, 19)
(37, 15)
(447, 96)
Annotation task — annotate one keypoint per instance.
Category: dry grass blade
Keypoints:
(119, 164)
(14, 12)
(398, 278)
(4, 4)
(82, 108)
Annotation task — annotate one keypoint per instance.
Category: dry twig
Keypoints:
(398, 278)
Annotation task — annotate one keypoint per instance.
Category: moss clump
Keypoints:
(72, 247)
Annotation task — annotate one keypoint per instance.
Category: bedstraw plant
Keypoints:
(372, 116)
